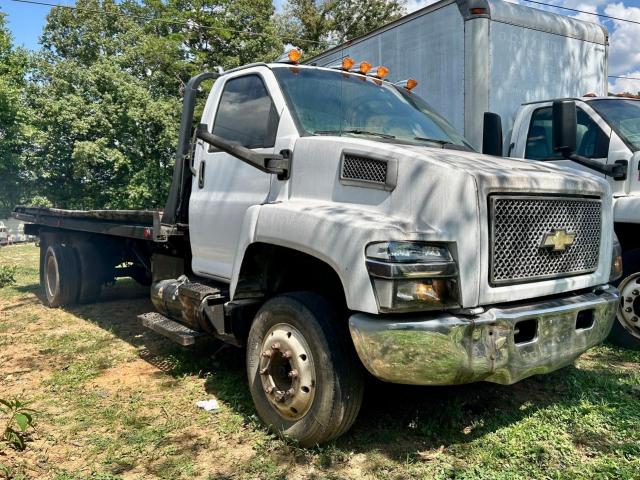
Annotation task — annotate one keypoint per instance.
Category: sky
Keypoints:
(26, 22)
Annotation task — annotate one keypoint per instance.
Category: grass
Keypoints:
(118, 402)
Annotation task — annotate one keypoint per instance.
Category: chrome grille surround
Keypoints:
(518, 225)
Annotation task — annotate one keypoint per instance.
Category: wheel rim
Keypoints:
(51, 275)
(287, 371)
(629, 311)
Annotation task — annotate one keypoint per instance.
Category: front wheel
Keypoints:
(304, 377)
(626, 328)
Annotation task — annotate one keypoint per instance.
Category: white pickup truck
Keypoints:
(328, 220)
(606, 133)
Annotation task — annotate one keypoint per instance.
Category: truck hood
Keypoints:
(515, 173)
(441, 195)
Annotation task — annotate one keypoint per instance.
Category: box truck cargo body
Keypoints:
(470, 57)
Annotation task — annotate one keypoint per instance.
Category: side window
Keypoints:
(246, 114)
(591, 141)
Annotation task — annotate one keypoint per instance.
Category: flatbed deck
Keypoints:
(138, 224)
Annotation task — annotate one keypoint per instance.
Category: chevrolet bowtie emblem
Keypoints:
(558, 239)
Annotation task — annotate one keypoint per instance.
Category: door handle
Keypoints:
(201, 171)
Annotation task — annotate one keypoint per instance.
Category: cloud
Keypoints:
(621, 85)
(624, 51)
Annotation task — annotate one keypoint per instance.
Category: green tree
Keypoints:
(13, 177)
(315, 25)
(106, 90)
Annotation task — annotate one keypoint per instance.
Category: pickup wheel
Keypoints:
(626, 328)
(91, 268)
(60, 275)
(304, 377)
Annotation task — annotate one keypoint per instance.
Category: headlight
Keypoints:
(616, 260)
(412, 276)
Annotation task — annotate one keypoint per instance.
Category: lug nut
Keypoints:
(293, 373)
(628, 299)
(287, 354)
(628, 309)
(634, 319)
(275, 346)
(268, 390)
(280, 396)
(266, 353)
(291, 392)
(635, 292)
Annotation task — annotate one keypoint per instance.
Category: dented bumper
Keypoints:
(501, 345)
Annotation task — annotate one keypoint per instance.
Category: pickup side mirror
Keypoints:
(565, 125)
(492, 134)
(565, 130)
(269, 163)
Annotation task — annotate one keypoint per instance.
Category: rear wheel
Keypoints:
(305, 380)
(60, 275)
(626, 328)
(92, 275)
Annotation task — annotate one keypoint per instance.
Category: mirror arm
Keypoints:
(269, 163)
(618, 171)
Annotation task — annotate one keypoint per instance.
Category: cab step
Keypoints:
(170, 328)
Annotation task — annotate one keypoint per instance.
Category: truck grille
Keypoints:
(519, 227)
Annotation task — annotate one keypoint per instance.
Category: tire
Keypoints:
(626, 333)
(61, 275)
(328, 387)
(91, 268)
(44, 244)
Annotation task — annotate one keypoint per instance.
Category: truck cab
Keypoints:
(607, 134)
(332, 223)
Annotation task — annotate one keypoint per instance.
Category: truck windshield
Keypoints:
(624, 118)
(327, 102)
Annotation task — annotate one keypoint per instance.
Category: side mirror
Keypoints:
(492, 134)
(269, 163)
(565, 126)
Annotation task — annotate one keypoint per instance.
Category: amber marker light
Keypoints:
(348, 63)
(364, 67)
(294, 55)
(379, 72)
(409, 83)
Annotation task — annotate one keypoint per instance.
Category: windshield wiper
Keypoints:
(445, 144)
(354, 131)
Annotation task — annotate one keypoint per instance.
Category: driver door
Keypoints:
(224, 188)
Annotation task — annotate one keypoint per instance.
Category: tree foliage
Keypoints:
(91, 119)
(12, 119)
(315, 25)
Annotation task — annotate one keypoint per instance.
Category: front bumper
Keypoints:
(449, 349)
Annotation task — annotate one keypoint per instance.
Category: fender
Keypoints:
(334, 234)
(625, 209)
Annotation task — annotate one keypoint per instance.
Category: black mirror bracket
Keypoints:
(617, 171)
(279, 164)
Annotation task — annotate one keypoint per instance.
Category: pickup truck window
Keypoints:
(246, 113)
(624, 118)
(591, 141)
(326, 102)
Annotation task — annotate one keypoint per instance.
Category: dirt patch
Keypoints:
(134, 375)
